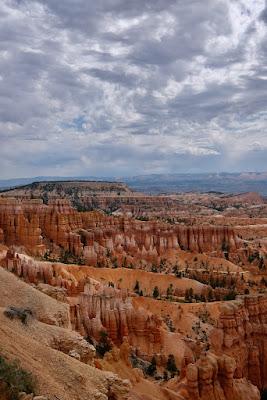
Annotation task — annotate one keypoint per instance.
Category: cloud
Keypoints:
(263, 14)
(119, 87)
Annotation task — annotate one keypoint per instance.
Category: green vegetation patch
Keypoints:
(14, 379)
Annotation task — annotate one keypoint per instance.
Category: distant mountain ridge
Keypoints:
(209, 182)
(170, 183)
(9, 183)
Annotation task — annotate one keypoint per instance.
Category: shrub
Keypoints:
(231, 295)
(205, 317)
(168, 321)
(142, 218)
(253, 257)
(20, 313)
(15, 379)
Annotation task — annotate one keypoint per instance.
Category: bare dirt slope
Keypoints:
(14, 292)
(58, 375)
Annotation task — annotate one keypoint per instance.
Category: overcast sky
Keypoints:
(126, 87)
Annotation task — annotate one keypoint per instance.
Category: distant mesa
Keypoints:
(169, 183)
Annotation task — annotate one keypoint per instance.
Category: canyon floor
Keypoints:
(111, 294)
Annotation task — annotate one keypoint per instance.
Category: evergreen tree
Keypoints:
(170, 291)
(104, 344)
(264, 394)
(152, 368)
(187, 297)
(261, 263)
(156, 292)
(137, 287)
(171, 365)
(115, 263)
(210, 295)
(154, 268)
(165, 375)
(191, 293)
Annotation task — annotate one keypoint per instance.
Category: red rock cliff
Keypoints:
(91, 235)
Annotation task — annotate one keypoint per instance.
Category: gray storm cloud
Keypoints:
(120, 87)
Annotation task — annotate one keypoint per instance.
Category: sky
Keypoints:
(128, 87)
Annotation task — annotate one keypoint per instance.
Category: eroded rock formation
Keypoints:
(108, 309)
(93, 301)
(94, 307)
(242, 334)
(57, 227)
(212, 378)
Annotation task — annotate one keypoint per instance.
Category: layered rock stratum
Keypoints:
(161, 298)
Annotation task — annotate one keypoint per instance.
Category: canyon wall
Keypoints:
(92, 235)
